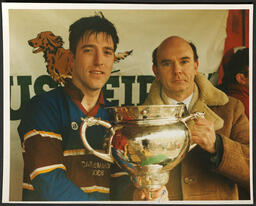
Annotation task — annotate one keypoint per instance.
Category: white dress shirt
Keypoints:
(185, 101)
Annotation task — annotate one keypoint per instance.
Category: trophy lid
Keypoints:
(145, 112)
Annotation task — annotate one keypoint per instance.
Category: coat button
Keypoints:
(189, 180)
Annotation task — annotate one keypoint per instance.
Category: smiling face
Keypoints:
(93, 61)
(176, 68)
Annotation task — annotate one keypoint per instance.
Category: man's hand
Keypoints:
(156, 195)
(204, 135)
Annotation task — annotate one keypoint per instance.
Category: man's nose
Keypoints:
(177, 67)
(98, 58)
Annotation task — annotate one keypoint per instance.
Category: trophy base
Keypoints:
(151, 177)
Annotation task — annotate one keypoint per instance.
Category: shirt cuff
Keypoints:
(216, 157)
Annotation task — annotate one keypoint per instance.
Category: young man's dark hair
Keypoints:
(93, 24)
(238, 63)
(154, 54)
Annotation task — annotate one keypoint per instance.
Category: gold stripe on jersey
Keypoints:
(46, 169)
(22, 147)
(74, 152)
(95, 188)
(27, 186)
(42, 133)
(119, 174)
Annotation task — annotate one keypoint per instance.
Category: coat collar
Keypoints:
(205, 95)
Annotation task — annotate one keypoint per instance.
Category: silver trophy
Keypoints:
(145, 141)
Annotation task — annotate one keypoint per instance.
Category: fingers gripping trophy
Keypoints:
(145, 141)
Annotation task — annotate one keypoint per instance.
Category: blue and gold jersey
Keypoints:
(56, 164)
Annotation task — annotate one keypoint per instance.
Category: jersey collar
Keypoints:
(76, 95)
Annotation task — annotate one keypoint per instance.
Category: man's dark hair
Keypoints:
(194, 51)
(154, 54)
(238, 63)
(93, 24)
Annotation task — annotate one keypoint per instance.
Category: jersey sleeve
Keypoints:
(121, 186)
(41, 141)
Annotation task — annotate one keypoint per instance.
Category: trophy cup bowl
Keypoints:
(145, 141)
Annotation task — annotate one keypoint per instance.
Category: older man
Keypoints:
(220, 161)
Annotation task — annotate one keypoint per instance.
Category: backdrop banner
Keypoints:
(141, 28)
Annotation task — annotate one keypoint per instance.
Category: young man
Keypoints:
(56, 164)
(220, 161)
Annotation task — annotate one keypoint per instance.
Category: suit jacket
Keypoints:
(195, 178)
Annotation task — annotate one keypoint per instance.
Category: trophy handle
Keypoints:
(192, 147)
(193, 116)
(88, 122)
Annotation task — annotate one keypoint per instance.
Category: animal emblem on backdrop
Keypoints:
(58, 59)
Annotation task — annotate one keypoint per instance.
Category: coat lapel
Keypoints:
(200, 106)
(207, 96)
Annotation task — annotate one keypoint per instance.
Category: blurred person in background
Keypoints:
(235, 81)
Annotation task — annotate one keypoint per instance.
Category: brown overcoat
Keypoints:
(195, 178)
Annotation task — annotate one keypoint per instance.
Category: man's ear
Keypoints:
(241, 79)
(154, 68)
(197, 64)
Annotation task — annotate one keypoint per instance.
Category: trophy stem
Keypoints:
(150, 178)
